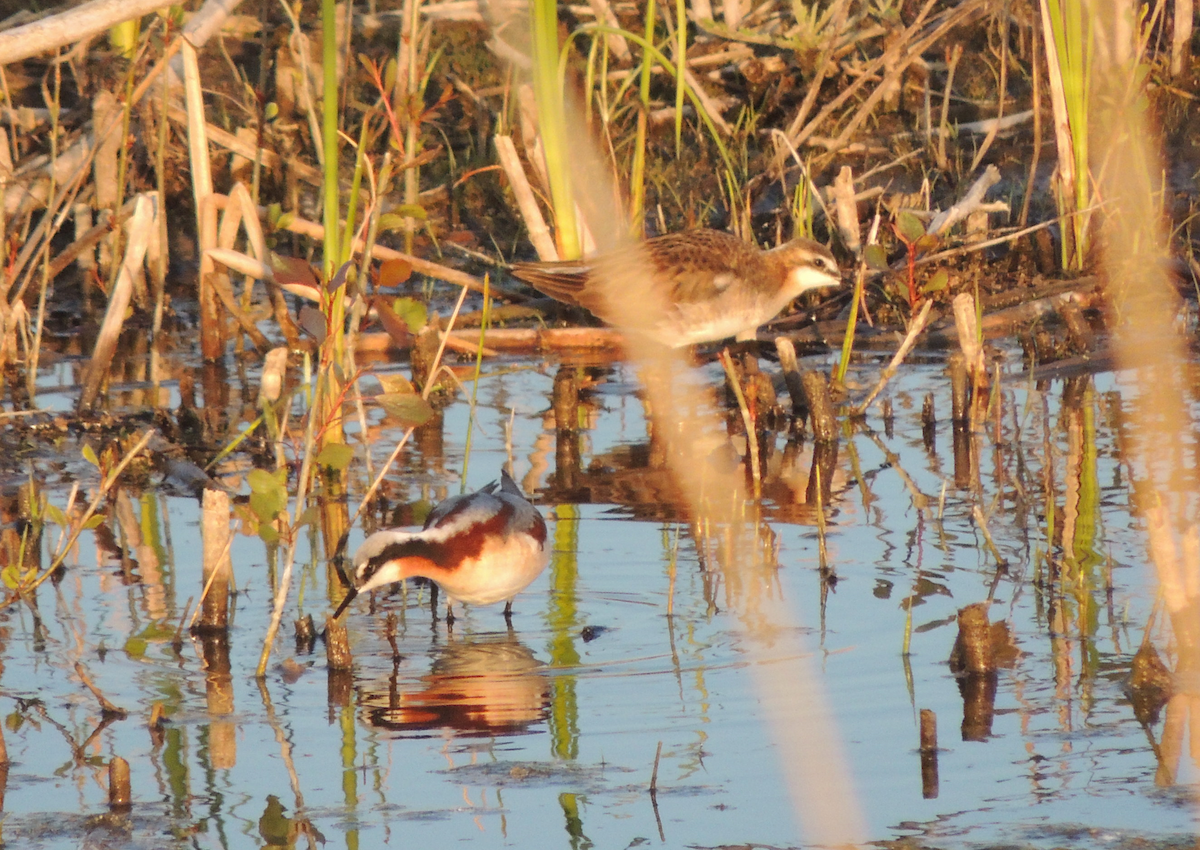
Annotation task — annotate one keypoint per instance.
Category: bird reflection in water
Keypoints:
(480, 686)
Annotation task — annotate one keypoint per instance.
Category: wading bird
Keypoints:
(696, 286)
(479, 548)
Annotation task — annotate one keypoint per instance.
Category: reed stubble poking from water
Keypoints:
(120, 791)
(217, 562)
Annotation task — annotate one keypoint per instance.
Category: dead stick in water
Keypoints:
(981, 521)
(106, 706)
(654, 792)
(910, 340)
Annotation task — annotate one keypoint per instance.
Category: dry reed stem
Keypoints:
(531, 213)
(139, 226)
(837, 17)
(71, 26)
(79, 155)
(269, 159)
(106, 110)
(902, 53)
(847, 210)
(1181, 36)
(426, 267)
(617, 45)
(79, 249)
(206, 211)
(711, 107)
(608, 341)
(972, 202)
(967, 326)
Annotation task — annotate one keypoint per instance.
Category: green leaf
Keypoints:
(394, 382)
(268, 534)
(310, 515)
(271, 111)
(89, 454)
(11, 576)
(336, 456)
(267, 506)
(909, 226)
(55, 515)
(411, 211)
(400, 216)
(927, 243)
(95, 521)
(938, 282)
(261, 481)
(414, 313)
(409, 408)
(876, 257)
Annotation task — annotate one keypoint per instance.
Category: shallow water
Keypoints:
(547, 736)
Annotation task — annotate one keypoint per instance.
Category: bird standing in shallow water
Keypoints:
(479, 548)
(708, 285)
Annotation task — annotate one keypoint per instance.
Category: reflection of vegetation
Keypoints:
(563, 621)
(570, 807)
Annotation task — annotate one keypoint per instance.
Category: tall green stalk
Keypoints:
(329, 133)
(548, 91)
(333, 347)
(637, 170)
(1072, 38)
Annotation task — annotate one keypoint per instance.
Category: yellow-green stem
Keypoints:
(548, 91)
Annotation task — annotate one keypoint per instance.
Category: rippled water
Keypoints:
(546, 736)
